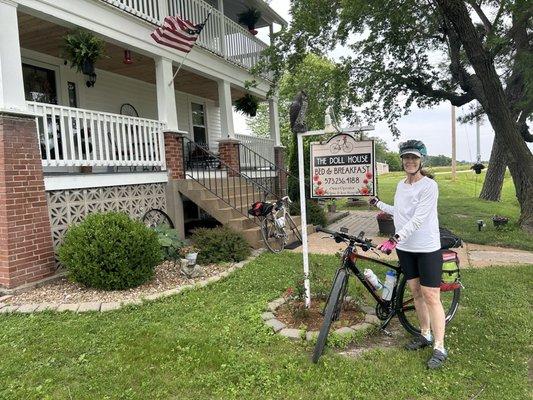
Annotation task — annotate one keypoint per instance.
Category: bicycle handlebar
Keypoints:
(345, 236)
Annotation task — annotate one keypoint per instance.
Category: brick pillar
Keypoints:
(228, 151)
(279, 161)
(174, 154)
(26, 247)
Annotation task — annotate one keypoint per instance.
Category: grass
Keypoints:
(460, 208)
(210, 343)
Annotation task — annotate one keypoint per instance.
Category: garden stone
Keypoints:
(47, 307)
(361, 327)
(5, 297)
(153, 296)
(192, 271)
(274, 324)
(114, 305)
(27, 308)
(8, 309)
(309, 336)
(267, 315)
(290, 333)
(68, 307)
(273, 305)
(344, 331)
(368, 310)
(89, 306)
(372, 319)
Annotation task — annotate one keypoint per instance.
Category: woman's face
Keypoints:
(411, 163)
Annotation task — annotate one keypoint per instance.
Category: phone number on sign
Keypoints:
(340, 181)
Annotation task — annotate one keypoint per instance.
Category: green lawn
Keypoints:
(460, 208)
(210, 343)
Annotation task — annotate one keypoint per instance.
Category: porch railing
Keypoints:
(262, 146)
(221, 35)
(77, 137)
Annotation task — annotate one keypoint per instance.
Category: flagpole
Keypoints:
(185, 58)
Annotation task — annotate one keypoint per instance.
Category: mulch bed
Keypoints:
(294, 314)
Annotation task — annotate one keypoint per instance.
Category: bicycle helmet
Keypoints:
(415, 147)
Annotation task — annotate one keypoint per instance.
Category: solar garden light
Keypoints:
(480, 224)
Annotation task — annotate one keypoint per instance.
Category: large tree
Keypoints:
(425, 52)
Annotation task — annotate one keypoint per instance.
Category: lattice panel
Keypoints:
(71, 206)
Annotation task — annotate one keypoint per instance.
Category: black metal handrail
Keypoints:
(222, 180)
(262, 169)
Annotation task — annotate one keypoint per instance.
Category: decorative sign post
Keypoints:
(343, 167)
(347, 164)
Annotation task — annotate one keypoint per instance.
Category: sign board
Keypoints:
(343, 167)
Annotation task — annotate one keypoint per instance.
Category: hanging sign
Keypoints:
(343, 167)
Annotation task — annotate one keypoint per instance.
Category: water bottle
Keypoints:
(388, 287)
(372, 279)
(280, 222)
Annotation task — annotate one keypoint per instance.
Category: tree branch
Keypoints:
(481, 15)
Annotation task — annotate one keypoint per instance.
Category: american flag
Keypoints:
(178, 33)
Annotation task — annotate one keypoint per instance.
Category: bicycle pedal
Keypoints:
(385, 332)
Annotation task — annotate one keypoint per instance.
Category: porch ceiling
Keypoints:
(47, 37)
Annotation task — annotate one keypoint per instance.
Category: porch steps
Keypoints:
(235, 215)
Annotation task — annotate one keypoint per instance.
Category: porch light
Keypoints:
(91, 81)
(127, 57)
(328, 126)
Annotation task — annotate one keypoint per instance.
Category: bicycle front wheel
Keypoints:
(332, 311)
(407, 313)
(273, 236)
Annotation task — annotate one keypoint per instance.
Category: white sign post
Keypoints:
(303, 213)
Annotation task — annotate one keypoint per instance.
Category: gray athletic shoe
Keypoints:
(418, 342)
(437, 359)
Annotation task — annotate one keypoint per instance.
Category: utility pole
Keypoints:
(454, 155)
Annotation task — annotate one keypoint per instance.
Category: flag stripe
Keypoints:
(177, 33)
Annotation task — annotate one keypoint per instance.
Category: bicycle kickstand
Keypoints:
(385, 323)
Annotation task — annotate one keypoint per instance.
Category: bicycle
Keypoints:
(341, 144)
(276, 220)
(400, 304)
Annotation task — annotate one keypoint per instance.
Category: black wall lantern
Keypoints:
(92, 80)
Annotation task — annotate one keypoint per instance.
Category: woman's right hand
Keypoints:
(373, 201)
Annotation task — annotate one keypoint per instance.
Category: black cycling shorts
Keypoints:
(426, 266)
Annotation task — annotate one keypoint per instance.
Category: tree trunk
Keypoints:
(498, 110)
(492, 187)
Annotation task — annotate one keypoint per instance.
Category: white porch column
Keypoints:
(274, 121)
(226, 110)
(166, 97)
(11, 82)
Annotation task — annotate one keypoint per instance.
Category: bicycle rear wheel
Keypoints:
(293, 227)
(273, 236)
(333, 307)
(407, 313)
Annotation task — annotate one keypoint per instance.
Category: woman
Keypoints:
(417, 243)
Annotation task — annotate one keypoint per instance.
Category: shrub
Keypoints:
(220, 244)
(315, 213)
(169, 241)
(110, 251)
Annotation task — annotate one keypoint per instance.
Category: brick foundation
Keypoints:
(26, 248)
(228, 151)
(174, 155)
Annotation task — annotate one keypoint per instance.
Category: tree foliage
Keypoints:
(425, 52)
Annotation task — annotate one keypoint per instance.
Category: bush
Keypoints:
(219, 245)
(110, 251)
(315, 214)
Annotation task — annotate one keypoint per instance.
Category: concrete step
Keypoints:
(253, 235)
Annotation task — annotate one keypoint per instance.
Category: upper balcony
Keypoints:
(221, 35)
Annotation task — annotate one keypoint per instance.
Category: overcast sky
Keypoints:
(432, 126)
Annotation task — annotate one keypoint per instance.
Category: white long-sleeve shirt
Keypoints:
(416, 221)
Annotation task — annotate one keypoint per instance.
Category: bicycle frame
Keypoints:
(349, 258)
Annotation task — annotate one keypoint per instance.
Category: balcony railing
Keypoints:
(221, 35)
(76, 137)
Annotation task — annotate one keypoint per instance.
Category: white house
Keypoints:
(135, 140)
